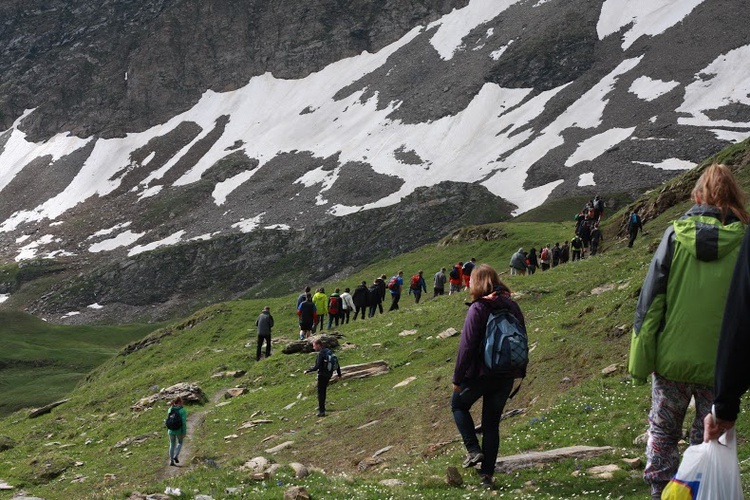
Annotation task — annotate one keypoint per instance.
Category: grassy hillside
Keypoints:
(579, 318)
(33, 351)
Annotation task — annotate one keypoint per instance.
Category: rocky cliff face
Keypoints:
(157, 153)
(113, 67)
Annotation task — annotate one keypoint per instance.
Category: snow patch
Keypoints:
(497, 54)
(278, 227)
(595, 146)
(95, 306)
(669, 164)
(730, 135)
(105, 232)
(646, 17)
(169, 240)
(723, 82)
(455, 26)
(249, 225)
(124, 239)
(586, 179)
(30, 251)
(4, 297)
(70, 314)
(649, 89)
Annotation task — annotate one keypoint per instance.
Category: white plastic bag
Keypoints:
(708, 471)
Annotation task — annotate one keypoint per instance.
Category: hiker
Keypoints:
(301, 297)
(466, 271)
(440, 279)
(531, 261)
(679, 316)
(308, 316)
(576, 244)
(455, 278)
(360, 298)
(417, 286)
(545, 255)
(518, 263)
(382, 288)
(375, 298)
(176, 435)
(596, 237)
(732, 375)
(634, 224)
(264, 324)
(347, 306)
(598, 205)
(471, 379)
(565, 253)
(585, 235)
(556, 254)
(334, 308)
(320, 299)
(395, 285)
(324, 373)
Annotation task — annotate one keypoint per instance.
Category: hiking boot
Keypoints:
(171, 462)
(176, 461)
(487, 482)
(473, 458)
(321, 414)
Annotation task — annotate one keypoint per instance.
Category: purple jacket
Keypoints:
(469, 364)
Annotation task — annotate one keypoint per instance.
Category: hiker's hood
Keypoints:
(701, 232)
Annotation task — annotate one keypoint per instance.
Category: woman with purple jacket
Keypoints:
(471, 379)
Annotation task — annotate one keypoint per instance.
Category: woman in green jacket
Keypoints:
(679, 314)
(176, 436)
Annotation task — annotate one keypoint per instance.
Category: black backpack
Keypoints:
(505, 347)
(454, 273)
(174, 419)
(331, 362)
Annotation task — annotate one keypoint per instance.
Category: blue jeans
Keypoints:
(494, 393)
(175, 445)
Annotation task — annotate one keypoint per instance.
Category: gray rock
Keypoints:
(297, 493)
(300, 471)
(453, 477)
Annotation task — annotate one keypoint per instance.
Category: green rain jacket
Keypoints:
(681, 305)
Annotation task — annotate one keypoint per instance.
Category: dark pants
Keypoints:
(395, 297)
(322, 388)
(438, 291)
(633, 235)
(417, 296)
(320, 323)
(594, 247)
(576, 255)
(261, 338)
(345, 316)
(357, 311)
(332, 318)
(494, 393)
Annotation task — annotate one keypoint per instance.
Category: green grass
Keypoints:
(32, 350)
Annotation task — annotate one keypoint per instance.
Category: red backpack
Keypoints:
(415, 282)
(545, 254)
(393, 284)
(333, 305)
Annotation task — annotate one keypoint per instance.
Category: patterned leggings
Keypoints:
(669, 403)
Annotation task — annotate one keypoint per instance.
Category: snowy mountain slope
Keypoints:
(525, 100)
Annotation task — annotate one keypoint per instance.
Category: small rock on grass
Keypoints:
(453, 477)
(297, 493)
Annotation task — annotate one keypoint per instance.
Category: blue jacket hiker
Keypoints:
(324, 373)
(395, 285)
(177, 435)
(417, 286)
(472, 380)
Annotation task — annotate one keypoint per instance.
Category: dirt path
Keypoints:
(194, 420)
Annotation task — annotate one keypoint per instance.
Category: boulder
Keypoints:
(453, 477)
(330, 341)
(190, 394)
(633, 463)
(234, 392)
(610, 369)
(280, 447)
(297, 493)
(450, 332)
(257, 464)
(46, 409)
(603, 471)
(300, 471)
(362, 370)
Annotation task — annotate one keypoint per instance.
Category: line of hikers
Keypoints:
(366, 300)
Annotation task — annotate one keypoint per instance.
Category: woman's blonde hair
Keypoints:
(718, 187)
(484, 279)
